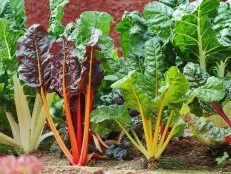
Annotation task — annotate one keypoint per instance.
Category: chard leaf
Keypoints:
(154, 62)
(213, 90)
(32, 52)
(195, 75)
(206, 132)
(97, 73)
(158, 16)
(132, 29)
(8, 39)
(222, 23)
(136, 92)
(103, 117)
(174, 87)
(56, 28)
(173, 3)
(195, 37)
(62, 54)
(13, 11)
(81, 31)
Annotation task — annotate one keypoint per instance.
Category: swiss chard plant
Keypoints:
(23, 114)
(54, 66)
(27, 129)
(140, 93)
(194, 33)
(200, 37)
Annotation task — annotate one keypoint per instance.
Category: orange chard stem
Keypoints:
(79, 123)
(71, 131)
(53, 128)
(88, 107)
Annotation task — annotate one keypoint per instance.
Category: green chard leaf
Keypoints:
(154, 61)
(173, 3)
(222, 23)
(133, 33)
(196, 39)
(173, 89)
(195, 75)
(104, 118)
(158, 16)
(80, 32)
(136, 92)
(8, 42)
(13, 11)
(56, 28)
(213, 90)
(206, 132)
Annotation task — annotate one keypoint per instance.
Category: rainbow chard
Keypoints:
(52, 66)
(35, 69)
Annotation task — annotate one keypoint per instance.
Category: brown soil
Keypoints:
(181, 156)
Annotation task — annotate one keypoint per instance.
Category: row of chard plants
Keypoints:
(174, 73)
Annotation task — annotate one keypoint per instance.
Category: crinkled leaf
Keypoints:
(158, 16)
(136, 92)
(32, 51)
(222, 23)
(81, 35)
(183, 9)
(174, 87)
(206, 132)
(154, 62)
(62, 54)
(195, 37)
(132, 29)
(56, 28)
(213, 90)
(103, 117)
(90, 60)
(13, 10)
(195, 75)
(8, 41)
(173, 3)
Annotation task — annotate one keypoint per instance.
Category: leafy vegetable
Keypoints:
(158, 16)
(56, 28)
(82, 30)
(27, 130)
(13, 11)
(61, 51)
(222, 23)
(132, 29)
(137, 95)
(195, 37)
(213, 90)
(222, 160)
(206, 132)
(32, 51)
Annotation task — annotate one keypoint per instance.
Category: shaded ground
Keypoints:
(186, 155)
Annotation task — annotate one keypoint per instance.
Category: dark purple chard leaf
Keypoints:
(32, 53)
(97, 72)
(63, 54)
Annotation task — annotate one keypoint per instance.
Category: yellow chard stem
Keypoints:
(140, 148)
(144, 122)
(156, 133)
(165, 129)
(137, 139)
(162, 148)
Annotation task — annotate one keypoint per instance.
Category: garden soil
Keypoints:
(183, 155)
